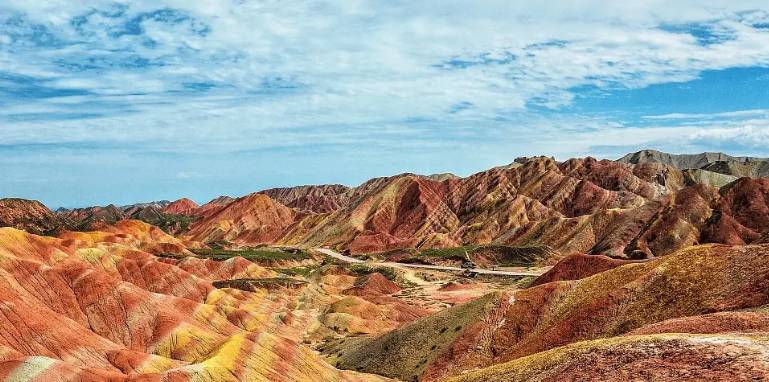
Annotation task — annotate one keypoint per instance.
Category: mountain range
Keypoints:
(652, 267)
(643, 205)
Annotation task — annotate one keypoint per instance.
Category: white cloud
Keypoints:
(233, 76)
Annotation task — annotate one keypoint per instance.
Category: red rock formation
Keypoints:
(182, 206)
(318, 199)
(214, 205)
(579, 266)
(374, 284)
(692, 282)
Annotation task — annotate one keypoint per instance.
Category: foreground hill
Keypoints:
(637, 298)
(96, 306)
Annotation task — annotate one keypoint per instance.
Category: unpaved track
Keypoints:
(480, 271)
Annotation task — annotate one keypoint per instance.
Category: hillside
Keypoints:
(644, 208)
(689, 283)
(30, 215)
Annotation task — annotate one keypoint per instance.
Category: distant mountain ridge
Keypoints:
(715, 162)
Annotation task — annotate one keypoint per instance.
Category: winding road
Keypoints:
(480, 271)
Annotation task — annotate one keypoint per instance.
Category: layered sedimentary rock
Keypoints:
(96, 306)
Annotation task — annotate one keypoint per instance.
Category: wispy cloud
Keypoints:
(212, 78)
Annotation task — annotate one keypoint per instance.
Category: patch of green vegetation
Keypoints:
(167, 255)
(297, 271)
(252, 284)
(455, 253)
(253, 254)
(500, 255)
(406, 352)
(175, 223)
(390, 273)
(365, 269)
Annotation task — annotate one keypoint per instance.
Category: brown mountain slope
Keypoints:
(714, 162)
(30, 215)
(318, 199)
(214, 205)
(653, 358)
(499, 205)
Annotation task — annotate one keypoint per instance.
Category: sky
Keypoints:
(121, 102)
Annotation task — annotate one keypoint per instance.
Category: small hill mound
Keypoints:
(721, 322)
(182, 206)
(254, 218)
(579, 266)
(406, 353)
(374, 284)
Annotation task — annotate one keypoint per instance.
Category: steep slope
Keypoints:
(578, 266)
(214, 205)
(90, 218)
(634, 210)
(318, 199)
(254, 218)
(507, 205)
(655, 358)
(698, 176)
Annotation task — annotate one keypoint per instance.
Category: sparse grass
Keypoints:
(405, 353)
(455, 253)
(297, 271)
(252, 254)
(365, 269)
(251, 284)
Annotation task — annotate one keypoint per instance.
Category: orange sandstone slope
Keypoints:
(95, 306)
(687, 285)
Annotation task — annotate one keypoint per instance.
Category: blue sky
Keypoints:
(104, 101)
